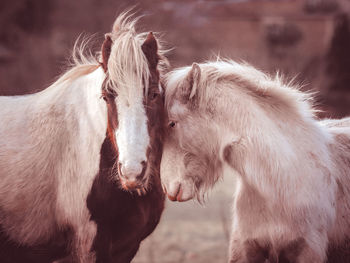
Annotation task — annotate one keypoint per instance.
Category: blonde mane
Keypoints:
(272, 90)
(127, 64)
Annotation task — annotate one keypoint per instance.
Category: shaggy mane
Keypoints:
(272, 90)
(127, 64)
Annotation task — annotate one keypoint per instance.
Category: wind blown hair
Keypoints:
(250, 80)
(126, 56)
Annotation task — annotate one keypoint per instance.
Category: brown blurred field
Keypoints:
(305, 39)
(295, 37)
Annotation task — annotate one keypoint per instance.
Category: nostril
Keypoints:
(142, 174)
(139, 177)
(120, 169)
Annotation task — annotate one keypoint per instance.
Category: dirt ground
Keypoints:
(190, 232)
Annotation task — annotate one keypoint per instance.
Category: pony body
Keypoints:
(69, 150)
(289, 166)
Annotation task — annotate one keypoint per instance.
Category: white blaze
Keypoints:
(132, 137)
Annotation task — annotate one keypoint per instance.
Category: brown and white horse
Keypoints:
(56, 159)
(125, 218)
(292, 197)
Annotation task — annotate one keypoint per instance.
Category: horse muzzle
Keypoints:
(133, 179)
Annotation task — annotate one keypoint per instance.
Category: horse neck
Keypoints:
(274, 150)
(73, 110)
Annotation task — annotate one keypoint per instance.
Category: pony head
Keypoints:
(134, 100)
(224, 113)
(190, 163)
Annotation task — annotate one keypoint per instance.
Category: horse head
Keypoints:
(135, 101)
(190, 163)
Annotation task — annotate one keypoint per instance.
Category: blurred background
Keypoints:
(305, 39)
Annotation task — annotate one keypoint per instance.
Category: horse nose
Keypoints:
(132, 172)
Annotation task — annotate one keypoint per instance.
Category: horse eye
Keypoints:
(154, 95)
(113, 94)
(172, 124)
(104, 98)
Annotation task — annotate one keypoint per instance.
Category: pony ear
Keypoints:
(192, 80)
(106, 51)
(150, 49)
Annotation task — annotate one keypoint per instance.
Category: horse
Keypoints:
(124, 219)
(292, 196)
(90, 139)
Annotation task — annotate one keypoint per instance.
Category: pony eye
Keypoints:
(108, 95)
(172, 124)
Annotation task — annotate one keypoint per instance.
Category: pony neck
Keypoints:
(274, 150)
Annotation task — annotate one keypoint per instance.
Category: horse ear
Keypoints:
(150, 48)
(192, 80)
(106, 51)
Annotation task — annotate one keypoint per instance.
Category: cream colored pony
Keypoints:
(292, 197)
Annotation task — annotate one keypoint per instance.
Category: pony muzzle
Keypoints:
(132, 177)
(177, 195)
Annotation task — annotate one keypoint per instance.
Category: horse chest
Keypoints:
(123, 219)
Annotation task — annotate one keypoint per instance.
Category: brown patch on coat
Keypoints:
(112, 113)
(109, 96)
(154, 104)
(123, 218)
